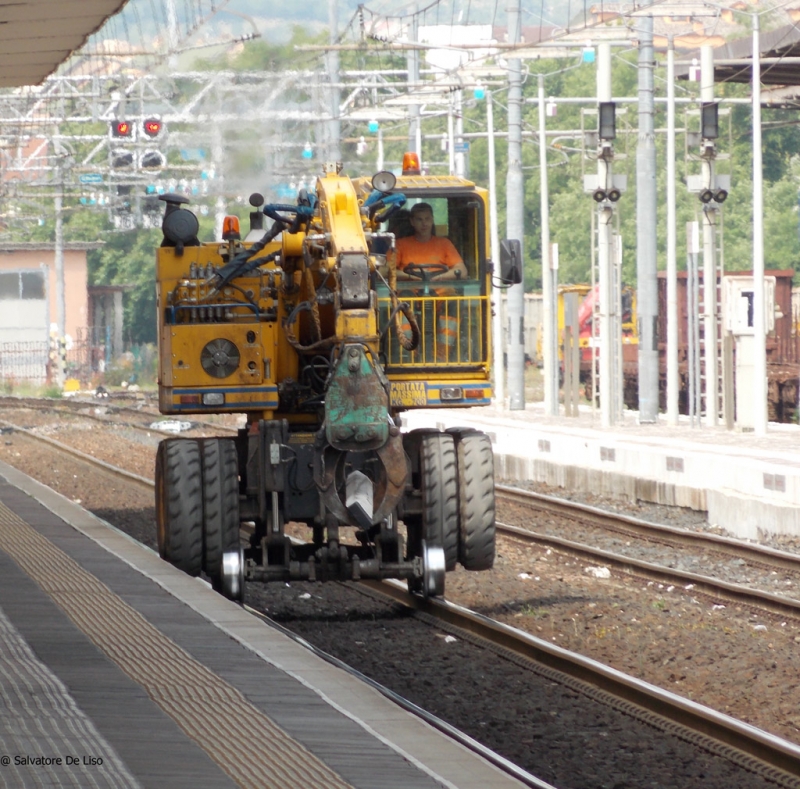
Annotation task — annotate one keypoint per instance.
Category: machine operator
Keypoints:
(424, 255)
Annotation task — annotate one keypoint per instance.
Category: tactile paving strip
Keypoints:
(243, 741)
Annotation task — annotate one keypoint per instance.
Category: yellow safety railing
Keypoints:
(452, 331)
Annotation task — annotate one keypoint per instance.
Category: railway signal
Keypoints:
(121, 129)
(152, 127)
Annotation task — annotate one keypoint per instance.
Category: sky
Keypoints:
(143, 21)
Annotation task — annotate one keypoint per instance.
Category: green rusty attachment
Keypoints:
(357, 402)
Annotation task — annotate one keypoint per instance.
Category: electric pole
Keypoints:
(334, 153)
(515, 199)
(646, 224)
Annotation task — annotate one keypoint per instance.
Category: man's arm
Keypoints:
(458, 271)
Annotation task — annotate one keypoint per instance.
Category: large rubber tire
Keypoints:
(439, 483)
(220, 503)
(476, 501)
(179, 504)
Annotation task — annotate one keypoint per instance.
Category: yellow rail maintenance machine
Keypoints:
(308, 332)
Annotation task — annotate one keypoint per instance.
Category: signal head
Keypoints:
(152, 127)
(706, 196)
(121, 129)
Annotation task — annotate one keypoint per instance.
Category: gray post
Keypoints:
(515, 220)
(710, 213)
(412, 63)
(59, 260)
(117, 313)
(460, 156)
(646, 263)
(58, 252)
(549, 288)
(172, 35)
(605, 216)
(759, 318)
(334, 151)
(217, 158)
(673, 380)
(693, 322)
(497, 293)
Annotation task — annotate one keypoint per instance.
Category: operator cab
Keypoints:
(455, 217)
(453, 315)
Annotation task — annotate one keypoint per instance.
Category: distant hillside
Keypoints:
(143, 22)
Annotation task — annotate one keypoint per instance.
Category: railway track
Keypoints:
(753, 555)
(769, 755)
(110, 413)
(698, 720)
(593, 524)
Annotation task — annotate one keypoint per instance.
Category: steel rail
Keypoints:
(63, 408)
(115, 471)
(700, 584)
(756, 743)
(625, 524)
(464, 739)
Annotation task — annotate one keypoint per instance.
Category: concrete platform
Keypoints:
(747, 484)
(117, 670)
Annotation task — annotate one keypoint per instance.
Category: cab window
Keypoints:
(457, 218)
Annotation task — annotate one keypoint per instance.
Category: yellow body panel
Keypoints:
(451, 366)
(360, 324)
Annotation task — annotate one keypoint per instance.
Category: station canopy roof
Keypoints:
(36, 36)
(780, 65)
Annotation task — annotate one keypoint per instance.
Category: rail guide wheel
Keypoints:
(434, 570)
(232, 575)
(220, 504)
(179, 504)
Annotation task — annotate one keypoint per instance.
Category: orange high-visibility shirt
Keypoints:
(437, 250)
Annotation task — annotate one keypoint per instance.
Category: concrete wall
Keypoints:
(744, 490)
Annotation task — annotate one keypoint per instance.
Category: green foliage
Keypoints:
(571, 208)
(129, 259)
(52, 390)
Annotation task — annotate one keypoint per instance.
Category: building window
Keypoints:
(9, 285)
(21, 285)
(31, 284)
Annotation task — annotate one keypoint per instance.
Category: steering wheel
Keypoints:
(425, 271)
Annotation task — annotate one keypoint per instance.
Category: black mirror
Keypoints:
(511, 261)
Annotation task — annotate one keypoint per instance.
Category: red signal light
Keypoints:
(121, 128)
(152, 127)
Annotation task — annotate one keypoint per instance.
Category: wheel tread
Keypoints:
(476, 502)
(220, 502)
(440, 494)
(181, 512)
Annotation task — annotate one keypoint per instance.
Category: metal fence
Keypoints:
(27, 362)
(85, 358)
